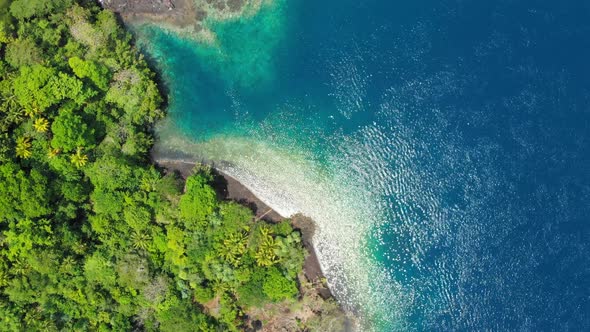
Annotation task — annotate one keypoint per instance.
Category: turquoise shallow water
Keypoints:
(441, 146)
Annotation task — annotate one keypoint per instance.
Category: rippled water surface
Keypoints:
(443, 147)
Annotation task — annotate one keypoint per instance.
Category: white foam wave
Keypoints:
(337, 198)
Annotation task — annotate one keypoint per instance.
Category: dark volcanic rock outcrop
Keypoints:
(177, 13)
(181, 13)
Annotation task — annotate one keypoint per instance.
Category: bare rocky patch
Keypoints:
(186, 17)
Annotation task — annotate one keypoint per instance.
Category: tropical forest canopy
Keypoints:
(92, 235)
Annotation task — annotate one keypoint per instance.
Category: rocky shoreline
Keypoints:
(318, 302)
(185, 17)
(181, 13)
(229, 188)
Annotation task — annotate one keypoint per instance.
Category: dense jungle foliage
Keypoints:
(92, 235)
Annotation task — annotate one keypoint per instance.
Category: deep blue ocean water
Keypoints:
(459, 130)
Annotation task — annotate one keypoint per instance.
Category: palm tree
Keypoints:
(234, 247)
(9, 99)
(68, 265)
(13, 111)
(78, 158)
(32, 112)
(4, 279)
(20, 268)
(265, 255)
(41, 125)
(23, 147)
(140, 240)
(52, 153)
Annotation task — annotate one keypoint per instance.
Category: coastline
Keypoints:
(188, 19)
(317, 303)
(229, 188)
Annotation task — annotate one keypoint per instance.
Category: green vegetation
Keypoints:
(92, 236)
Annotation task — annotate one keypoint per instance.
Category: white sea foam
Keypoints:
(336, 197)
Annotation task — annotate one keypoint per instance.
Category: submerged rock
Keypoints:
(179, 13)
